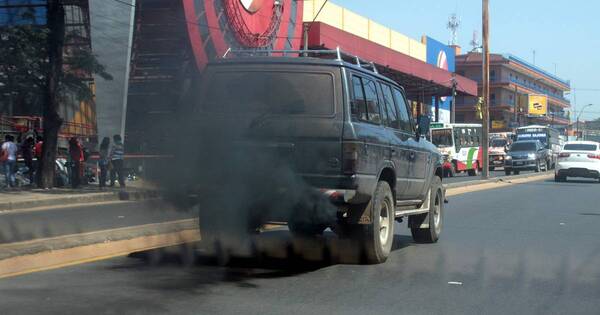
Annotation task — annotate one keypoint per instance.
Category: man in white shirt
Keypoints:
(10, 149)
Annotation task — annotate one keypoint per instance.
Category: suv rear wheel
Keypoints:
(431, 233)
(375, 239)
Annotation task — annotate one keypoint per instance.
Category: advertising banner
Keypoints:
(441, 56)
(538, 105)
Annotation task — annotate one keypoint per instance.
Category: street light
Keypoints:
(580, 112)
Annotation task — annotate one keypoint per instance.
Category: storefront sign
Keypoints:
(538, 105)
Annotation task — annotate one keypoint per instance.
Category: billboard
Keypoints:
(241, 24)
(537, 105)
(441, 56)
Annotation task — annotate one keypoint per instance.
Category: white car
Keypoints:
(578, 159)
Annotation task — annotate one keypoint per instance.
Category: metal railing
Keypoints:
(339, 55)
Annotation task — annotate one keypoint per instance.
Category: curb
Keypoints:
(37, 246)
(44, 254)
(81, 198)
(493, 180)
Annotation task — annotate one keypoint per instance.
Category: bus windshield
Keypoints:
(442, 137)
(541, 136)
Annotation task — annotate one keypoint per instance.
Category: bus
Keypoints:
(460, 146)
(548, 136)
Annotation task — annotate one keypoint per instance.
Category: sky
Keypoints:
(564, 34)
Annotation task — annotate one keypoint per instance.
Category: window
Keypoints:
(405, 123)
(492, 75)
(268, 92)
(580, 147)
(358, 107)
(372, 100)
(390, 108)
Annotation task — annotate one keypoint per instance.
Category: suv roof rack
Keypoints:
(339, 55)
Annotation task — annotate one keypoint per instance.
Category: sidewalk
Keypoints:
(24, 197)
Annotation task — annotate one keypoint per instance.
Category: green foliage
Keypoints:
(24, 64)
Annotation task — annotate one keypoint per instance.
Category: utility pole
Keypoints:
(453, 100)
(52, 121)
(486, 90)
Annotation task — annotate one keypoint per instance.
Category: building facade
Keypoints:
(21, 107)
(514, 87)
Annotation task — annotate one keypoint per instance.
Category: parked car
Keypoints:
(344, 129)
(526, 155)
(578, 159)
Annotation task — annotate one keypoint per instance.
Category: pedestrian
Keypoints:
(117, 154)
(76, 159)
(37, 152)
(27, 154)
(8, 157)
(103, 161)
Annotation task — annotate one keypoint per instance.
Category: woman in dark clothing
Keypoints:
(103, 162)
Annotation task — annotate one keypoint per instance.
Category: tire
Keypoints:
(474, 171)
(548, 166)
(375, 239)
(432, 232)
(559, 179)
(507, 172)
(538, 167)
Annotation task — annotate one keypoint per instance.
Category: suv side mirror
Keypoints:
(423, 123)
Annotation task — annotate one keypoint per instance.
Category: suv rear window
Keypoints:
(289, 93)
(580, 147)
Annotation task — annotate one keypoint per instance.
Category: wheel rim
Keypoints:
(437, 212)
(384, 222)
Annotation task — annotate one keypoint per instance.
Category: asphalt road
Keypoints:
(526, 249)
(26, 225)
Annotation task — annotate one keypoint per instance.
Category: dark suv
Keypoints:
(343, 129)
(526, 155)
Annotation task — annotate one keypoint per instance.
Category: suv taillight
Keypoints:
(350, 157)
(594, 156)
(564, 155)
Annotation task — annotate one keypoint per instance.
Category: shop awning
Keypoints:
(418, 78)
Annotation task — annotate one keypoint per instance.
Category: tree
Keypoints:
(34, 64)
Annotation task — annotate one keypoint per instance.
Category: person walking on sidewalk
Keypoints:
(27, 154)
(8, 157)
(103, 161)
(76, 157)
(117, 154)
(37, 152)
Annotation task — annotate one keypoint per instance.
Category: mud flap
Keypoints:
(421, 221)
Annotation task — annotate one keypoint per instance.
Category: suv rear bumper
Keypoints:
(352, 189)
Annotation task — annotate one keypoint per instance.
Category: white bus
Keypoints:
(460, 145)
